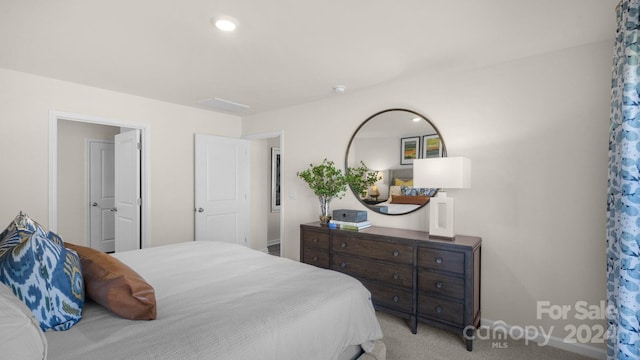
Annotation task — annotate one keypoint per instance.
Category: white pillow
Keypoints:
(20, 333)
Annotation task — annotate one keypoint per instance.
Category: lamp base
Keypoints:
(441, 216)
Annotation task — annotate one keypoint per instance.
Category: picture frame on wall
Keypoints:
(431, 146)
(409, 149)
(275, 179)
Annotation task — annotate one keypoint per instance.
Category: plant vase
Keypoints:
(325, 204)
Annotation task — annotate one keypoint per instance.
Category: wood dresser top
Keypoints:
(459, 240)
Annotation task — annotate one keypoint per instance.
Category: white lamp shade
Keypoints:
(442, 173)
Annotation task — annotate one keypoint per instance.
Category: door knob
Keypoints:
(94, 204)
(200, 210)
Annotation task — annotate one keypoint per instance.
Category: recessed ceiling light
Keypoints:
(339, 89)
(416, 119)
(225, 24)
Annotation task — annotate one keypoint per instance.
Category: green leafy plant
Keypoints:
(361, 178)
(325, 179)
(328, 182)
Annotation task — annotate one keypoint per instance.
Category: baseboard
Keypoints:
(273, 242)
(553, 341)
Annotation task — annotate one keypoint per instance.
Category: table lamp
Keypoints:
(442, 173)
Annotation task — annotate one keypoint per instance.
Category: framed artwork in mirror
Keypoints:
(431, 146)
(409, 149)
(275, 179)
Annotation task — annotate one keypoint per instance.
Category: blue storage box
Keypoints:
(349, 215)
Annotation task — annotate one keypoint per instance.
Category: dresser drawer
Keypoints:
(315, 239)
(373, 249)
(440, 284)
(441, 310)
(397, 299)
(400, 275)
(317, 257)
(443, 260)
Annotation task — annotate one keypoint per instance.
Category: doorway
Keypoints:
(267, 213)
(59, 212)
(101, 226)
(222, 189)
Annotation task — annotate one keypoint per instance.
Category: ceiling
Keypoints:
(284, 52)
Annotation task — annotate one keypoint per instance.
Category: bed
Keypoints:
(224, 301)
(401, 197)
(192, 300)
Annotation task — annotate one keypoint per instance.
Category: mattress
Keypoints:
(224, 301)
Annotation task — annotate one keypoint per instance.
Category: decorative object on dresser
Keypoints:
(409, 274)
(444, 172)
(328, 182)
(349, 220)
(350, 215)
(375, 142)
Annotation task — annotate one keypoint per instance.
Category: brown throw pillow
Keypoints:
(405, 199)
(114, 285)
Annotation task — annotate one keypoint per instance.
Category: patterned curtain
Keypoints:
(623, 203)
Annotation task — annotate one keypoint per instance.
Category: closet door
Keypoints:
(221, 189)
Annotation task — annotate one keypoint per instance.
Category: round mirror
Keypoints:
(388, 142)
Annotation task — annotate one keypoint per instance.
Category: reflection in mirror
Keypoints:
(388, 142)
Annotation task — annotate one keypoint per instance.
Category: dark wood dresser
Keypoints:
(409, 274)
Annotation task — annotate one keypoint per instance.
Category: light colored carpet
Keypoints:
(436, 344)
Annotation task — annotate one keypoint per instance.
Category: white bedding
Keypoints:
(223, 301)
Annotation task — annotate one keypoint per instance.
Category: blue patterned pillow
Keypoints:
(411, 191)
(47, 277)
(18, 231)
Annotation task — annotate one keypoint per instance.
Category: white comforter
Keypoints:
(223, 301)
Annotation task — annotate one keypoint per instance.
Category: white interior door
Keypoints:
(127, 191)
(221, 189)
(101, 195)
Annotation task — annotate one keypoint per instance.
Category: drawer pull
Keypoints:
(396, 253)
(439, 260)
(343, 245)
(439, 309)
(315, 240)
(396, 298)
(343, 265)
(315, 258)
(439, 284)
(396, 276)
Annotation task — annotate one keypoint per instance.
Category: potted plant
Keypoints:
(361, 178)
(328, 182)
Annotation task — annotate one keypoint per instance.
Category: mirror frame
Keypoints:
(346, 156)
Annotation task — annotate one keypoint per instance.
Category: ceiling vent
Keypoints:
(223, 105)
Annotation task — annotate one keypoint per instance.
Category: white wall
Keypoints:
(26, 101)
(377, 153)
(536, 130)
(260, 194)
(72, 176)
